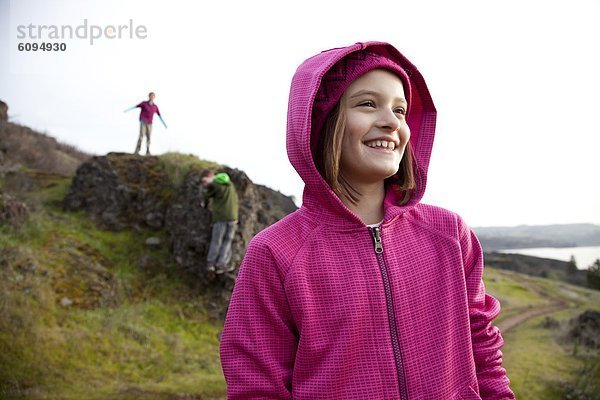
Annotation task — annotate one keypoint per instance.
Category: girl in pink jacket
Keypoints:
(364, 292)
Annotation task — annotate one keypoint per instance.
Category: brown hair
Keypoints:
(328, 155)
(206, 172)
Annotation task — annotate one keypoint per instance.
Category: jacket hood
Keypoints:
(318, 197)
(222, 178)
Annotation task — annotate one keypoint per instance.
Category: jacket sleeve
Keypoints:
(209, 191)
(483, 308)
(259, 339)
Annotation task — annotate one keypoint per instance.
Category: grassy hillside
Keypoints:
(541, 361)
(20, 145)
(88, 313)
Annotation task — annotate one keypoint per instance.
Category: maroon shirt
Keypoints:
(148, 110)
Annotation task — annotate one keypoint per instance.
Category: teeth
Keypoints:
(381, 143)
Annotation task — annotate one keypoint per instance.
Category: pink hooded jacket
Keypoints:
(317, 312)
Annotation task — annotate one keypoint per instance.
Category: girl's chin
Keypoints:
(383, 172)
(373, 175)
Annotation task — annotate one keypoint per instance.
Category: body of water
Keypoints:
(584, 256)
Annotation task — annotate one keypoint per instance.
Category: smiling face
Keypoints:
(376, 131)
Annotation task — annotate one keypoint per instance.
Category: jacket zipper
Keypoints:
(376, 233)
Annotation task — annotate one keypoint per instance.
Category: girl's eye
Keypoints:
(400, 110)
(367, 103)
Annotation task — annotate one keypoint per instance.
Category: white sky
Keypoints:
(516, 85)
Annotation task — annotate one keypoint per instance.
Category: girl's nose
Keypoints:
(388, 120)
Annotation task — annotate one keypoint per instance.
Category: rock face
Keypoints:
(3, 111)
(275, 201)
(189, 224)
(122, 190)
(126, 191)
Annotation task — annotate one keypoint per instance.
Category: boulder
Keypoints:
(188, 225)
(121, 190)
(124, 191)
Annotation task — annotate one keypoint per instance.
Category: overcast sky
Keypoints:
(516, 85)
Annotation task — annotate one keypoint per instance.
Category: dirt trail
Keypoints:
(556, 304)
(515, 320)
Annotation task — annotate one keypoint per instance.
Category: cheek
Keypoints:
(356, 125)
(352, 136)
(404, 134)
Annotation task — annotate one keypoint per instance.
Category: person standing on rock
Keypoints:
(149, 108)
(225, 206)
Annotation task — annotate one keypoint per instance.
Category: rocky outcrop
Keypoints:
(3, 111)
(122, 190)
(126, 191)
(275, 201)
(189, 227)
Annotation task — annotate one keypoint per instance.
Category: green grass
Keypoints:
(177, 165)
(512, 289)
(153, 338)
(535, 361)
(539, 361)
(147, 346)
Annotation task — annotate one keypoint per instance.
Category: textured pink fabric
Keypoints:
(317, 314)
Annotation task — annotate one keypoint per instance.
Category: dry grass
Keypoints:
(34, 150)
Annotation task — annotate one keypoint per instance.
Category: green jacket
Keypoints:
(224, 198)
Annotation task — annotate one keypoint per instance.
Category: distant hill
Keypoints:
(22, 146)
(529, 236)
(536, 266)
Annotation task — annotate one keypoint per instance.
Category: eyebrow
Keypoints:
(372, 93)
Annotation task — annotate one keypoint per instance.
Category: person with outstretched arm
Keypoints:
(146, 116)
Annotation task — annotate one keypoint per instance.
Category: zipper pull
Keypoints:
(377, 240)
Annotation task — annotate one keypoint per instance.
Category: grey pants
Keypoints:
(145, 130)
(219, 252)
